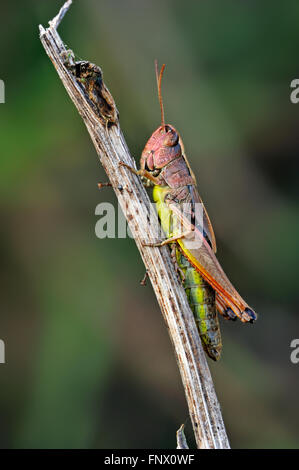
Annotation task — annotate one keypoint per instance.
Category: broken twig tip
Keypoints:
(41, 30)
(58, 18)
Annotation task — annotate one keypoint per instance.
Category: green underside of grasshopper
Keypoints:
(201, 296)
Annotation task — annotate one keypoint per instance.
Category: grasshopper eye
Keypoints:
(175, 138)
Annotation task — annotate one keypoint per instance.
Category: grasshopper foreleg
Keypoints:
(143, 173)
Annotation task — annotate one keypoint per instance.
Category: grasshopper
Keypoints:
(165, 167)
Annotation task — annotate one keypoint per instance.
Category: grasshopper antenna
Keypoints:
(159, 80)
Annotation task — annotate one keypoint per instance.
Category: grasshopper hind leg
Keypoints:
(229, 311)
(251, 316)
(226, 312)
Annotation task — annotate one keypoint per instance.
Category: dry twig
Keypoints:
(111, 148)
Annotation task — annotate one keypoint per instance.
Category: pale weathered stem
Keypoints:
(181, 438)
(111, 148)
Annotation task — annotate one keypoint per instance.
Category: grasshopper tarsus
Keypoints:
(119, 187)
(104, 185)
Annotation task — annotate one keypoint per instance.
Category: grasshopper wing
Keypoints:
(207, 225)
(200, 254)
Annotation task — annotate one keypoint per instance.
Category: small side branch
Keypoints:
(181, 438)
(103, 126)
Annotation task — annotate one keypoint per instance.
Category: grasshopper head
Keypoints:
(161, 148)
(168, 135)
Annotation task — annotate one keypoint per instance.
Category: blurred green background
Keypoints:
(89, 363)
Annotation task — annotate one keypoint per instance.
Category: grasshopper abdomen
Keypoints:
(201, 298)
